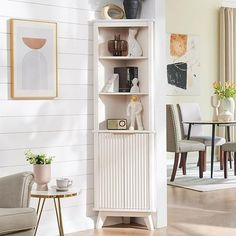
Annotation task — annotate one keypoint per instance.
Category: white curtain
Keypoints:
(227, 44)
(227, 65)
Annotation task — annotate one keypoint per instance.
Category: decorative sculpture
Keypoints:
(112, 11)
(134, 48)
(135, 87)
(112, 84)
(134, 110)
(117, 46)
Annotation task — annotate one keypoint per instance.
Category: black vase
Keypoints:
(131, 8)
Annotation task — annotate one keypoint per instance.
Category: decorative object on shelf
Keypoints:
(126, 75)
(118, 47)
(134, 48)
(33, 59)
(112, 84)
(183, 65)
(132, 8)
(112, 11)
(135, 87)
(215, 103)
(116, 124)
(134, 110)
(41, 168)
(226, 94)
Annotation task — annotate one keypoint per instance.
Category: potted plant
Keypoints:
(226, 93)
(41, 168)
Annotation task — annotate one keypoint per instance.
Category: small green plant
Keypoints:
(228, 90)
(38, 159)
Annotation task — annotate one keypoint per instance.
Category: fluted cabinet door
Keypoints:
(136, 166)
(123, 171)
(111, 171)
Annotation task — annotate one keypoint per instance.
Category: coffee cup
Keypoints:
(64, 182)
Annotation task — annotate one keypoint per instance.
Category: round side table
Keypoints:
(56, 196)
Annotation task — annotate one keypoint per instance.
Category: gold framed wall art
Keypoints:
(33, 59)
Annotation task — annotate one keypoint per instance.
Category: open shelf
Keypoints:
(113, 105)
(107, 33)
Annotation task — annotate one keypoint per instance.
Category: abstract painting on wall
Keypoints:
(33, 59)
(183, 64)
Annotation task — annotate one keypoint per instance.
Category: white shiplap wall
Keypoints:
(60, 127)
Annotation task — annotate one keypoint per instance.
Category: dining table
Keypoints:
(213, 123)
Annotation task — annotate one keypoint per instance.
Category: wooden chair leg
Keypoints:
(234, 163)
(230, 160)
(225, 164)
(201, 163)
(181, 161)
(175, 167)
(183, 158)
(221, 158)
(205, 160)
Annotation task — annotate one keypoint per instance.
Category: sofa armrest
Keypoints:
(15, 190)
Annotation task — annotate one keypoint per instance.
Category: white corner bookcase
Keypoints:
(123, 159)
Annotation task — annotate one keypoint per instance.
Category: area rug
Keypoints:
(193, 182)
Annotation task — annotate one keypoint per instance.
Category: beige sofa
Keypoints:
(16, 218)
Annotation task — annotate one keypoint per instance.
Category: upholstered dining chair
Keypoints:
(227, 148)
(190, 112)
(16, 218)
(177, 144)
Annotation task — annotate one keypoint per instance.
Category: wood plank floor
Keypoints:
(190, 213)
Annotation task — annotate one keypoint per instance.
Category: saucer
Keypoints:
(62, 189)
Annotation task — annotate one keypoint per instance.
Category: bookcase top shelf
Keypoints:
(122, 58)
(125, 131)
(124, 94)
(123, 23)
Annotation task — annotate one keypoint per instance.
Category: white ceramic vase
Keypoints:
(42, 176)
(134, 48)
(215, 103)
(227, 109)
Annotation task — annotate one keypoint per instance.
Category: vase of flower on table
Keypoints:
(226, 95)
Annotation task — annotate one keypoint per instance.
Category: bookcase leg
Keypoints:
(148, 222)
(100, 220)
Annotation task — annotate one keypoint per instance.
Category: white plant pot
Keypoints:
(227, 109)
(42, 175)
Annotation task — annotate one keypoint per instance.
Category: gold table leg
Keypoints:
(57, 205)
(59, 216)
(39, 210)
(39, 201)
